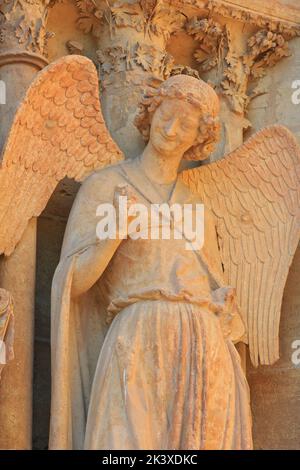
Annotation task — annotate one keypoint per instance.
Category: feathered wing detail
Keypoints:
(254, 193)
(58, 131)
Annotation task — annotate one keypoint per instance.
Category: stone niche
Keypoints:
(251, 99)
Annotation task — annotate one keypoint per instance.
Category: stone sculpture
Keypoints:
(143, 330)
(6, 328)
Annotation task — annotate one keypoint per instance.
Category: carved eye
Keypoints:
(185, 125)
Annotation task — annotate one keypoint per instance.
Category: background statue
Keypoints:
(142, 331)
(6, 328)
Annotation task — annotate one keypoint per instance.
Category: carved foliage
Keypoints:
(90, 16)
(119, 59)
(23, 23)
(154, 17)
(210, 36)
(264, 50)
(234, 81)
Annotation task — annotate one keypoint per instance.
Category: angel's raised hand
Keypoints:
(129, 200)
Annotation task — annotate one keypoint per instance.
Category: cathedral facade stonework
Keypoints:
(144, 99)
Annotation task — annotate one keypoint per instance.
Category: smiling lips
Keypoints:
(166, 137)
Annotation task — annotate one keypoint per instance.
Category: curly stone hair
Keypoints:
(195, 92)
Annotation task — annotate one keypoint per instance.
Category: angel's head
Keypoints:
(181, 115)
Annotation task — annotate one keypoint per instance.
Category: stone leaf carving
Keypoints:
(150, 20)
(165, 19)
(58, 130)
(264, 49)
(156, 17)
(119, 59)
(210, 36)
(90, 16)
(254, 194)
(23, 23)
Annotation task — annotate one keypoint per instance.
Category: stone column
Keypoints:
(17, 275)
(22, 54)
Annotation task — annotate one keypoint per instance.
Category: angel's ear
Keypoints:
(142, 122)
(199, 152)
(209, 136)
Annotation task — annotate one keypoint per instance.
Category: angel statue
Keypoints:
(143, 329)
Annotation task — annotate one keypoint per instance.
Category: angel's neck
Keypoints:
(162, 169)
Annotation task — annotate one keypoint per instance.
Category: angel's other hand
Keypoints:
(124, 190)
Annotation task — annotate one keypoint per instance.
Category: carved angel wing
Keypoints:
(58, 131)
(254, 193)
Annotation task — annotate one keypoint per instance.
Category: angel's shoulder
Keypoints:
(103, 179)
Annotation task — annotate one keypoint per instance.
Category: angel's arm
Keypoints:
(92, 253)
(211, 246)
(91, 264)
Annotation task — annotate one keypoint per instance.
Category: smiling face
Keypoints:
(175, 126)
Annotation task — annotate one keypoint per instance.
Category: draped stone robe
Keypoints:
(145, 358)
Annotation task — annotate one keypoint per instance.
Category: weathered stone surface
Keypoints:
(179, 120)
(22, 54)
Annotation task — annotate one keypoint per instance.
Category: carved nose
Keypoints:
(171, 127)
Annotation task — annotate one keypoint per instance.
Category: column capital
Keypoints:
(238, 57)
(23, 25)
